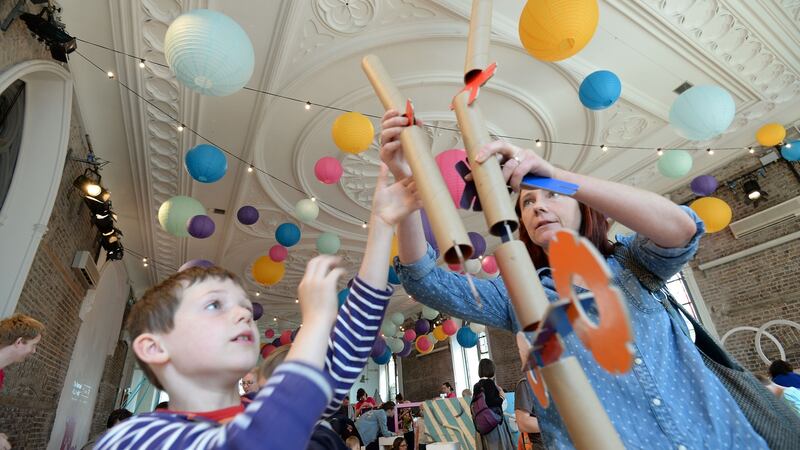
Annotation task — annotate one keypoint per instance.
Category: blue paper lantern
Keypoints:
(247, 215)
(393, 278)
(466, 337)
(209, 52)
(342, 295)
(702, 112)
(384, 358)
(791, 153)
(206, 163)
(600, 90)
(287, 234)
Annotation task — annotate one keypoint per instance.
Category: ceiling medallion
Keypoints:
(345, 16)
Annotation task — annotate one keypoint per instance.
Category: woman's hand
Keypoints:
(393, 203)
(518, 162)
(392, 125)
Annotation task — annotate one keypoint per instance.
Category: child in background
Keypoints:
(194, 337)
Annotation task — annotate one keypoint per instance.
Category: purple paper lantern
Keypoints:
(426, 226)
(258, 311)
(379, 347)
(200, 226)
(196, 263)
(407, 348)
(247, 215)
(422, 327)
(704, 185)
(478, 244)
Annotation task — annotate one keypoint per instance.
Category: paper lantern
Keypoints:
(396, 345)
(489, 265)
(196, 263)
(702, 112)
(247, 215)
(704, 185)
(286, 337)
(258, 310)
(268, 272)
(409, 335)
(771, 134)
(328, 243)
(422, 327)
(174, 214)
(278, 253)
(675, 163)
(200, 226)
(472, 266)
(426, 228)
(267, 350)
(791, 153)
(600, 90)
(209, 52)
(446, 161)
(287, 234)
(394, 250)
(455, 267)
(277, 342)
(384, 358)
(429, 313)
(342, 296)
(306, 210)
(408, 346)
(466, 337)
(432, 337)
(393, 278)
(449, 327)
(477, 327)
(423, 344)
(269, 333)
(388, 328)
(716, 214)
(439, 333)
(398, 318)
(378, 347)
(352, 132)
(328, 170)
(478, 244)
(205, 163)
(552, 30)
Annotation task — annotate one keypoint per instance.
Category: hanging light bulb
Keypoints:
(308, 106)
(258, 293)
(538, 143)
(144, 261)
(709, 151)
(110, 74)
(364, 225)
(313, 199)
(141, 64)
(181, 127)
(660, 152)
(603, 147)
(250, 169)
(751, 150)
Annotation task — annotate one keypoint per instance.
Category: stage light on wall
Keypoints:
(754, 192)
(89, 183)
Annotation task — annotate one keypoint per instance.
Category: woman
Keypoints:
(446, 390)
(399, 444)
(365, 403)
(669, 399)
(500, 437)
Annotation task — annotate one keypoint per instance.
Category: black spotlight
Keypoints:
(89, 183)
(52, 33)
(753, 192)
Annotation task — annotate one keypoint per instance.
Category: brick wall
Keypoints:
(423, 376)
(108, 389)
(760, 287)
(503, 348)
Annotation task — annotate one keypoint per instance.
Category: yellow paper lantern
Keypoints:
(552, 30)
(439, 333)
(352, 132)
(395, 249)
(268, 272)
(716, 214)
(771, 134)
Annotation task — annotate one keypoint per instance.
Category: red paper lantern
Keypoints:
(278, 253)
(286, 337)
(266, 350)
(269, 333)
(328, 170)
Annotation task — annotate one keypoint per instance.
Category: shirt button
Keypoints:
(638, 361)
(656, 401)
(682, 447)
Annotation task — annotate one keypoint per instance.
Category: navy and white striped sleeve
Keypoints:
(283, 415)
(352, 338)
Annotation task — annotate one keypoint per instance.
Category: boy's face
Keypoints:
(24, 348)
(214, 331)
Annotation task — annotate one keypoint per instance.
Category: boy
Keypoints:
(19, 336)
(194, 337)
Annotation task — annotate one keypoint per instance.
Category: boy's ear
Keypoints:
(149, 349)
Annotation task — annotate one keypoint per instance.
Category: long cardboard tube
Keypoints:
(587, 423)
(451, 236)
(496, 203)
(524, 288)
(480, 31)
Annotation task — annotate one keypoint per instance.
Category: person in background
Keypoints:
(399, 398)
(399, 444)
(249, 383)
(466, 393)
(353, 443)
(116, 416)
(446, 390)
(789, 395)
(530, 436)
(364, 402)
(783, 375)
(500, 437)
(421, 436)
(19, 336)
(371, 425)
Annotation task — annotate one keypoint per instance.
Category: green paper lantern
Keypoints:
(174, 214)
(675, 163)
(306, 210)
(429, 313)
(328, 243)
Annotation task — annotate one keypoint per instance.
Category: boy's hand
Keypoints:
(392, 203)
(392, 125)
(317, 290)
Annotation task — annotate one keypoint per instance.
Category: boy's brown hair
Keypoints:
(155, 311)
(19, 326)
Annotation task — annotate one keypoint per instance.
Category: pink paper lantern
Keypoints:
(328, 170)
(410, 335)
(423, 344)
(447, 161)
(449, 327)
(454, 267)
(269, 333)
(489, 264)
(278, 253)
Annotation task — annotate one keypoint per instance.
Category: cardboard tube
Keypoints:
(587, 422)
(524, 288)
(480, 31)
(497, 205)
(445, 221)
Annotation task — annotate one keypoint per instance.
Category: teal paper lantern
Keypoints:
(395, 345)
(702, 112)
(600, 90)
(174, 214)
(388, 329)
(393, 277)
(791, 152)
(306, 210)
(398, 318)
(328, 243)
(466, 337)
(675, 163)
(206, 163)
(384, 358)
(342, 296)
(287, 234)
(209, 52)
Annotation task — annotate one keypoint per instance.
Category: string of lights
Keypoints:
(538, 142)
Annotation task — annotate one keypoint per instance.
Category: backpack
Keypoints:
(484, 417)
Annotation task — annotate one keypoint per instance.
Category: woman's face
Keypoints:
(545, 212)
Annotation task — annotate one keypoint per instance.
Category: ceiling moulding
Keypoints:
(777, 19)
(138, 28)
